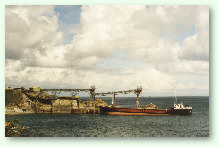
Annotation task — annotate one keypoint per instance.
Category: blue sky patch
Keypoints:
(69, 20)
(182, 32)
(69, 14)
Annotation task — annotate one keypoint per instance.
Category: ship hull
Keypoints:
(133, 111)
(182, 111)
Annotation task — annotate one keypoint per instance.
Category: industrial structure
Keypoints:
(137, 91)
(40, 101)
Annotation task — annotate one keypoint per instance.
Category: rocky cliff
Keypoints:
(24, 101)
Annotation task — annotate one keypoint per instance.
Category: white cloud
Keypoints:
(153, 81)
(196, 47)
(150, 79)
(31, 34)
(35, 48)
(138, 31)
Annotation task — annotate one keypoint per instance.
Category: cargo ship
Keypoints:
(178, 109)
(149, 109)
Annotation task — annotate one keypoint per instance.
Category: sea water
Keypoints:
(95, 125)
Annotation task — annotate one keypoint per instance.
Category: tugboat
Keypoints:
(149, 109)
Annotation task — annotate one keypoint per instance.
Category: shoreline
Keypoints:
(17, 113)
(14, 113)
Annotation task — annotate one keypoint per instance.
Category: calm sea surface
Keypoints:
(95, 125)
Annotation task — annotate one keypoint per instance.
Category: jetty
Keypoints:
(37, 100)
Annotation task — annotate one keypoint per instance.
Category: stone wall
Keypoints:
(66, 106)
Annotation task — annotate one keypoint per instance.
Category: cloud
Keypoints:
(36, 47)
(138, 31)
(154, 82)
(150, 79)
(196, 47)
(31, 34)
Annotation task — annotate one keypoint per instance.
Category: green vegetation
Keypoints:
(13, 98)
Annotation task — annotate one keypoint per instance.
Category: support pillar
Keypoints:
(36, 101)
(51, 106)
(94, 100)
(90, 100)
(94, 106)
(137, 101)
(138, 91)
(92, 97)
(35, 105)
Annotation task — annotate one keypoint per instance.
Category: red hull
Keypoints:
(126, 113)
(133, 111)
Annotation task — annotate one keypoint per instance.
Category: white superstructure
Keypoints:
(181, 106)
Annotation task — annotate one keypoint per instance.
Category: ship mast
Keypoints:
(175, 97)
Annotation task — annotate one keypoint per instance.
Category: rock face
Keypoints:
(61, 106)
(12, 129)
(23, 101)
(19, 100)
(98, 103)
(16, 101)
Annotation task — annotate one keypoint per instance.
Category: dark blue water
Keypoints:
(95, 125)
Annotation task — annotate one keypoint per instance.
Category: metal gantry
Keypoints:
(91, 90)
(93, 94)
(137, 91)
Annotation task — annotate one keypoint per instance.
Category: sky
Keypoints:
(112, 47)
